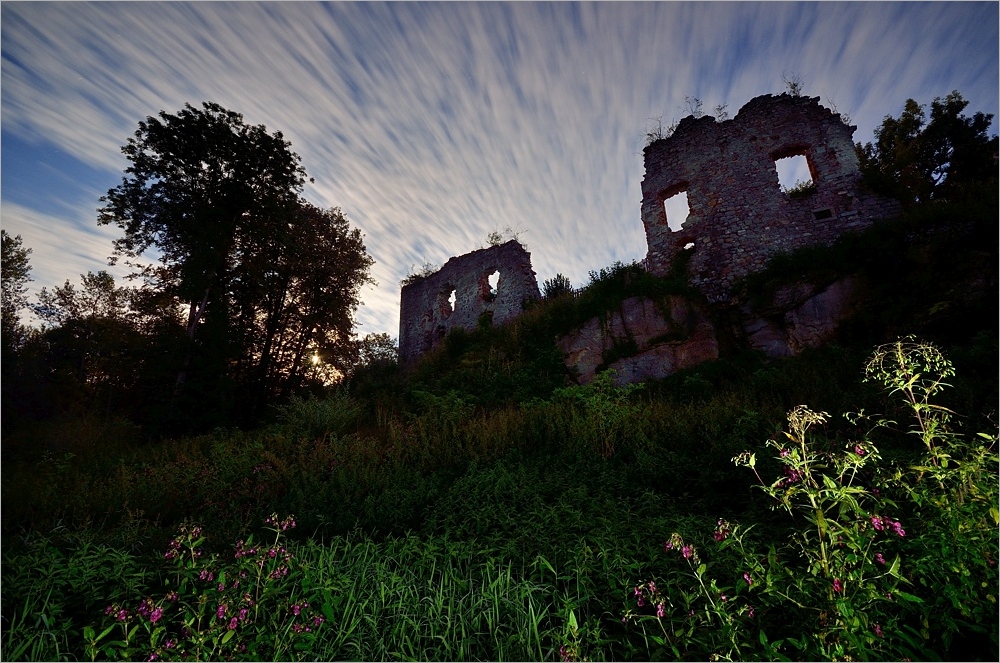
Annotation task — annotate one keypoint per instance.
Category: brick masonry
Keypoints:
(739, 216)
(426, 315)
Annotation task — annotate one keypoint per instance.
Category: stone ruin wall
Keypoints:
(738, 215)
(426, 315)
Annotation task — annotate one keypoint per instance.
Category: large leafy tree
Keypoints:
(16, 276)
(916, 160)
(250, 262)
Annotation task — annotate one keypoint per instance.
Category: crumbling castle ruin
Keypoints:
(460, 294)
(739, 217)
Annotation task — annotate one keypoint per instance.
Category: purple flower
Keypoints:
(838, 586)
(878, 630)
(638, 591)
(783, 453)
(243, 614)
(153, 657)
(169, 644)
(660, 609)
(155, 615)
(748, 578)
(687, 551)
(122, 615)
(296, 609)
(640, 601)
(723, 598)
(858, 449)
(722, 530)
(898, 528)
(318, 620)
(221, 587)
(750, 612)
(233, 623)
(652, 587)
(220, 612)
(877, 523)
(563, 654)
(879, 558)
(668, 545)
(172, 596)
(109, 610)
(206, 575)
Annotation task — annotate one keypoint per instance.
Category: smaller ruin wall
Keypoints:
(739, 217)
(426, 312)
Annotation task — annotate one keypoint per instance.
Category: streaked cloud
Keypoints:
(433, 124)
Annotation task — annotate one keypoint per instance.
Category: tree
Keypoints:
(91, 345)
(16, 274)
(915, 160)
(254, 266)
(557, 286)
(296, 307)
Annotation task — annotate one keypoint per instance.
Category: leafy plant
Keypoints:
(801, 189)
(851, 578)
(247, 608)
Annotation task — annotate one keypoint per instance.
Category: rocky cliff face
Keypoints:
(641, 340)
(649, 340)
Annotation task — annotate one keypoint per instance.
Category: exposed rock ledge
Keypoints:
(643, 340)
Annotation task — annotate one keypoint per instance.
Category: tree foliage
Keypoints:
(916, 160)
(557, 286)
(16, 276)
(269, 282)
(91, 347)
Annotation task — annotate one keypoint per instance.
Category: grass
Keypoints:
(482, 506)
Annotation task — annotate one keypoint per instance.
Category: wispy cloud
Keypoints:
(433, 124)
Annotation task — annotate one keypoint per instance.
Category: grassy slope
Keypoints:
(478, 451)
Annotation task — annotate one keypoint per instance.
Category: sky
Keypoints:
(432, 125)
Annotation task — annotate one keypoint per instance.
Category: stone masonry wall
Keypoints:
(426, 315)
(739, 217)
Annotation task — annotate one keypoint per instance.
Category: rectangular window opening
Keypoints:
(677, 209)
(794, 176)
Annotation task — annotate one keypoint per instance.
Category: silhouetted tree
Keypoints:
(91, 346)
(254, 266)
(556, 286)
(915, 160)
(16, 276)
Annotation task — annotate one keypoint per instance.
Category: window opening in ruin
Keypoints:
(677, 209)
(452, 298)
(825, 213)
(494, 282)
(794, 176)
